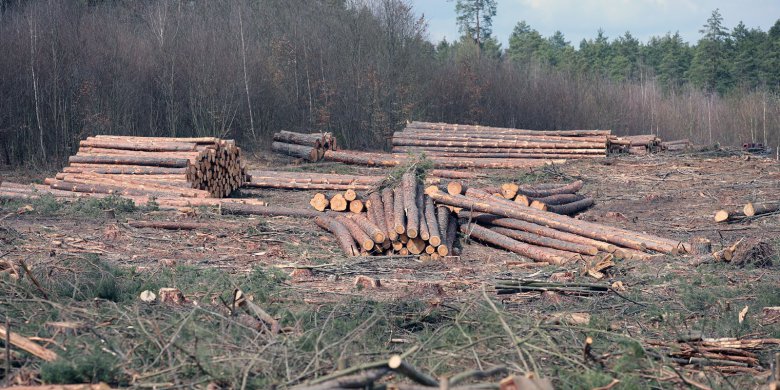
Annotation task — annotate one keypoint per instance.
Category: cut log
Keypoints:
(535, 253)
(388, 202)
(420, 203)
(509, 190)
(376, 209)
(409, 188)
(338, 203)
(350, 195)
(570, 188)
(571, 208)
(319, 201)
(753, 209)
(289, 137)
(370, 228)
(307, 153)
(360, 236)
(558, 199)
(343, 237)
(169, 225)
(416, 245)
(356, 206)
(433, 223)
(727, 216)
(399, 218)
(535, 239)
(131, 160)
(455, 188)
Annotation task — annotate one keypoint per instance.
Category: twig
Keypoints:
(32, 278)
(477, 374)
(397, 364)
(361, 367)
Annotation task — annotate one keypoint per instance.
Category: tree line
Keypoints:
(244, 69)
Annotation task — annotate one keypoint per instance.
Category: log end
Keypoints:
(722, 215)
(749, 210)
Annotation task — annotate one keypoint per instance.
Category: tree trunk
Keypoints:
(344, 239)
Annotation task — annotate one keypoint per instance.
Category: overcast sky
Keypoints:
(579, 19)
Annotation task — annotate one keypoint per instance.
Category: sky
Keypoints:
(578, 19)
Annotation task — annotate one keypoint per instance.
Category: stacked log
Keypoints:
(635, 144)
(544, 236)
(676, 145)
(310, 147)
(465, 141)
(553, 197)
(395, 221)
(125, 165)
(439, 162)
(330, 181)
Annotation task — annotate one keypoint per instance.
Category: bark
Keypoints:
(131, 160)
(307, 153)
(344, 239)
(535, 253)
(409, 189)
(377, 209)
(420, 203)
(433, 223)
(389, 202)
(452, 235)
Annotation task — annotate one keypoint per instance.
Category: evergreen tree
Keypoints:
(526, 44)
(710, 69)
(475, 18)
(748, 55)
(771, 63)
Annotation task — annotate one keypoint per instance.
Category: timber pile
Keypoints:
(310, 147)
(553, 197)
(677, 145)
(635, 144)
(392, 221)
(157, 166)
(439, 162)
(467, 141)
(543, 236)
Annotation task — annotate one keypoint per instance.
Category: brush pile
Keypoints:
(391, 221)
(465, 141)
(310, 147)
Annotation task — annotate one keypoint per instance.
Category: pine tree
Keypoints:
(710, 69)
(475, 18)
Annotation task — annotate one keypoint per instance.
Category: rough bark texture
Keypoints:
(388, 201)
(409, 188)
(535, 253)
(433, 223)
(399, 216)
(344, 239)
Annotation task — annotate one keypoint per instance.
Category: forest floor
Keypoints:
(91, 266)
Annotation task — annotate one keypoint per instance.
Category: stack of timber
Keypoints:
(466, 141)
(554, 197)
(635, 144)
(159, 166)
(331, 181)
(677, 145)
(439, 162)
(543, 236)
(392, 221)
(310, 147)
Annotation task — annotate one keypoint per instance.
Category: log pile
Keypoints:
(466, 141)
(391, 221)
(164, 167)
(310, 147)
(543, 236)
(635, 144)
(330, 181)
(677, 145)
(439, 162)
(557, 198)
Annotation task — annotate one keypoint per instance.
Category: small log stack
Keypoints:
(635, 144)
(467, 141)
(544, 236)
(392, 221)
(310, 147)
(557, 198)
(137, 166)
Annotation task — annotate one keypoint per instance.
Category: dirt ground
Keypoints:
(672, 196)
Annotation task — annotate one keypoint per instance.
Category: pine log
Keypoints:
(316, 177)
(122, 169)
(307, 153)
(338, 203)
(131, 160)
(341, 233)
(399, 218)
(370, 228)
(523, 200)
(281, 183)
(401, 136)
(753, 209)
(559, 199)
(453, 174)
(509, 190)
(452, 235)
(138, 146)
(356, 206)
(547, 242)
(350, 195)
(590, 152)
(498, 144)
(360, 236)
(416, 245)
(433, 223)
(528, 154)
(376, 208)
(420, 203)
(196, 140)
(388, 202)
(571, 208)
(289, 137)
(271, 211)
(110, 189)
(409, 188)
(319, 201)
(169, 225)
(570, 188)
(456, 128)
(535, 253)
(727, 216)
